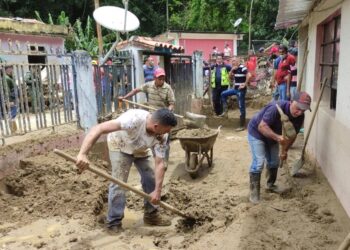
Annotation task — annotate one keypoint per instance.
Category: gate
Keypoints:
(35, 96)
(181, 80)
(112, 80)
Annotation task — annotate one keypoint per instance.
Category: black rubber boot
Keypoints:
(241, 124)
(254, 187)
(272, 176)
(271, 179)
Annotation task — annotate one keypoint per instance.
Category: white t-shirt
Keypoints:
(133, 137)
(227, 51)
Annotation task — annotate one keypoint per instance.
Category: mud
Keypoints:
(196, 133)
(45, 204)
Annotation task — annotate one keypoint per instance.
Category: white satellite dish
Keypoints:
(238, 21)
(113, 18)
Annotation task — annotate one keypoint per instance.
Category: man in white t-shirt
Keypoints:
(130, 138)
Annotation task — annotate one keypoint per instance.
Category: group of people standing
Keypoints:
(284, 80)
(224, 75)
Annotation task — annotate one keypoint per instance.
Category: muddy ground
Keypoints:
(45, 204)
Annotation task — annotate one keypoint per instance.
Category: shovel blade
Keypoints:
(296, 167)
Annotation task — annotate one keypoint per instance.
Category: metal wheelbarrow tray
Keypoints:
(197, 148)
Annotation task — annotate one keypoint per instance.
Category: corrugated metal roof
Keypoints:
(149, 44)
(292, 12)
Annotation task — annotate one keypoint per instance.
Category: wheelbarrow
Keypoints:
(197, 149)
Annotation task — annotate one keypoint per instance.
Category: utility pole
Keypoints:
(99, 33)
(250, 24)
(167, 17)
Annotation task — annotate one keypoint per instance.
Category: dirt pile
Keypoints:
(47, 186)
(196, 133)
(45, 189)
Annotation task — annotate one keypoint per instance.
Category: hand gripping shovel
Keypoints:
(299, 164)
(125, 186)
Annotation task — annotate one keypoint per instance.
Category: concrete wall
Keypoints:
(87, 105)
(329, 143)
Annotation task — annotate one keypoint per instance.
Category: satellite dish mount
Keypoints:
(116, 19)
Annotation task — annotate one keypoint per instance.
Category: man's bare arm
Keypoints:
(159, 177)
(91, 138)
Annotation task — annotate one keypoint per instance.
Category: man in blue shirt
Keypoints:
(265, 135)
(148, 69)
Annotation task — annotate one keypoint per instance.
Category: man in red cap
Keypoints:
(265, 136)
(160, 94)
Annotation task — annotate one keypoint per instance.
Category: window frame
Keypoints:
(333, 65)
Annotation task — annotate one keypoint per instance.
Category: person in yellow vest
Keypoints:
(219, 81)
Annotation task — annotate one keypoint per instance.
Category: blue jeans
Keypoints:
(275, 94)
(240, 93)
(282, 91)
(121, 164)
(260, 152)
(293, 91)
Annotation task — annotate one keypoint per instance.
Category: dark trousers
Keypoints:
(216, 95)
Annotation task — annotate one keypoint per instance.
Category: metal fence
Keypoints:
(181, 80)
(35, 96)
(112, 80)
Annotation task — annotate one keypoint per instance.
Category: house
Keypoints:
(178, 66)
(202, 41)
(31, 41)
(324, 36)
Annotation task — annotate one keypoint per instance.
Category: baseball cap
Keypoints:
(303, 100)
(159, 72)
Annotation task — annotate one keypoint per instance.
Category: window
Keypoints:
(330, 56)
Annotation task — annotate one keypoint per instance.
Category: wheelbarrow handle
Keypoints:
(120, 183)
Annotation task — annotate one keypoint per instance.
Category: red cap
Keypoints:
(159, 72)
(303, 99)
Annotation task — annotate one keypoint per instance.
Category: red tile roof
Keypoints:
(149, 44)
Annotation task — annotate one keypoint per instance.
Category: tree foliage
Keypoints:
(187, 15)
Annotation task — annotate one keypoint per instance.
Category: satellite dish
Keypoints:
(112, 18)
(238, 21)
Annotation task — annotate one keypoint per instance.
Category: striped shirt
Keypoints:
(160, 97)
(240, 74)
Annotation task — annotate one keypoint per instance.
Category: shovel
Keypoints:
(299, 164)
(124, 185)
(190, 119)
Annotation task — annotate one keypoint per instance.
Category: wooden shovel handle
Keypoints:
(120, 183)
(148, 107)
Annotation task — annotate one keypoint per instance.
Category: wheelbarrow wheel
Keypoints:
(193, 165)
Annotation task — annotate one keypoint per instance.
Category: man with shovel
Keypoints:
(160, 95)
(130, 138)
(265, 135)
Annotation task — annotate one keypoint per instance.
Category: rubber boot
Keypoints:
(272, 176)
(271, 179)
(254, 187)
(241, 124)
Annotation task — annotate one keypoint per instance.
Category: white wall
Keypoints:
(329, 143)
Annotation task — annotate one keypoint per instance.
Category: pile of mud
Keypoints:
(47, 185)
(196, 133)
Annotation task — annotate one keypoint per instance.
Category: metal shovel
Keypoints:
(124, 185)
(299, 164)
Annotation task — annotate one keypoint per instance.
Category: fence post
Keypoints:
(85, 90)
(198, 83)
